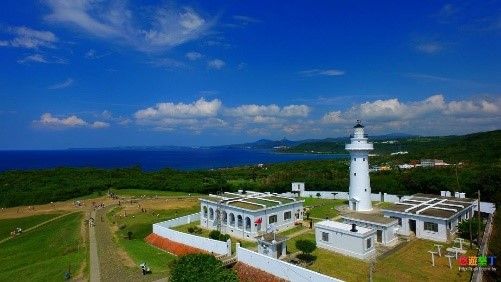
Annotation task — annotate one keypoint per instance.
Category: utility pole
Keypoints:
(479, 219)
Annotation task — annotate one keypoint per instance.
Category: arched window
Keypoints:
(218, 215)
(211, 214)
(205, 211)
(247, 224)
(232, 219)
(240, 221)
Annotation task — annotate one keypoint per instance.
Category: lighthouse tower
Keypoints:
(360, 187)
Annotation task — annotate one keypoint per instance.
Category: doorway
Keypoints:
(412, 225)
(354, 205)
(279, 250)
(379, 236)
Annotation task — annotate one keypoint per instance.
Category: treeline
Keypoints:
(43, 186)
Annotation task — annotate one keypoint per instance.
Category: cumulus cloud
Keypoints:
(216, 64)
(322, 72)
(163, 27)
(61, 85)
(72, 121)
(433, 114)
(199, 108)
(25, 37)
(269, 110)
(193, 56)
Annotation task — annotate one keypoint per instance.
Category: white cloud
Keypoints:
(193, 56)
(433, 115)
(61, 85)
(272, 110)
(199, 108)
(322, 72)
(72, 121)
(25, 37)
(39, 58)
(429, 48)
(93, 54)
(216, 64)
(162, 28)
(99, 124)
(167, 63)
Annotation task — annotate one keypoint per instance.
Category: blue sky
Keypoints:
(115, 73)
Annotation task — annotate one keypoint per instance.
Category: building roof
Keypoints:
(377, 219)
(268, 238)
(431, 205)
(250, 200)
(343, 227)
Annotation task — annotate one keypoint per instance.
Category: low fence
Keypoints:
(381, 197)
(280, 268)
(212, 246)
(484, 248)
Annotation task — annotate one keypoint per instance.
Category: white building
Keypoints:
(297, 187)
(430, 217)
(360, 188)
(272, 245)
(350, 240)
(251, 214)
(386, 227)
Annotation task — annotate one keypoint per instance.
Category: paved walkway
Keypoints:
(38, 225)
(95, 273)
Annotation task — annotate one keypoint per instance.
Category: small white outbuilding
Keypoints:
(350, 240)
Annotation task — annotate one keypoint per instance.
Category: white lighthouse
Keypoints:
(360, 186)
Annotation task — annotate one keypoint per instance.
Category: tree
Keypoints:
(306, 247)
(464, 228)
(318, 195)
(200, 267)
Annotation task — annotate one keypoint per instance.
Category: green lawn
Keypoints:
(141, 226)
(322, 208)
(8, 225)
(292, 230)
(408, 262)
(45, 253)
(205, 233)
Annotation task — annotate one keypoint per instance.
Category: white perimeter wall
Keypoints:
(280, 268)
(212, 246)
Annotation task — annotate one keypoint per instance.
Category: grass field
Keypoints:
(150, 193)
(408, 262)
(45, 253)
(140, 224)
(322, 208)
(8, 225)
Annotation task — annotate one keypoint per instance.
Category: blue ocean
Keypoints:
(149, 160)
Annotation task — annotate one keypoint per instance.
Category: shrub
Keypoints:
(224, 237)
(129, 235)
(306, 246)
(191, 230)
(200, 267)
(214, 234)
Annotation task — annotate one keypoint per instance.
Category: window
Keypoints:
(325, 236)
(431, 226)
(272, 219)
(369, 243)
(355, 174)
(364, 159)
(354, 159)
(287, 215)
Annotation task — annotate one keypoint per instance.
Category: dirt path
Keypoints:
(38, 225)
(94, 271)
(112, 263)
